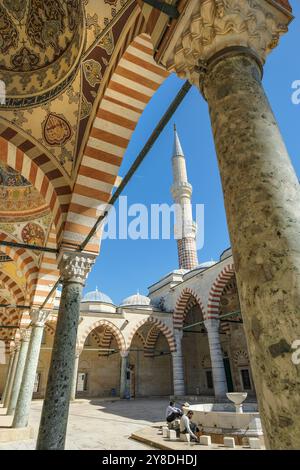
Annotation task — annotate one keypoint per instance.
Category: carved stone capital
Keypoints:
(124, 354)
(208, 27)
(212, 324)
(25, 334)
(74, 267)
(38, 317)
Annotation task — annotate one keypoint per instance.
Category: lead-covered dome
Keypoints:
(97, 296)
(136, 300)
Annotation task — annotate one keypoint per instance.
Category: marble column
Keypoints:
(8, 374)
(261, 189)
(74, 268)
(124, 385)
(75, 376)
(25, 336)
(38, 318)
(12, 376)
(178, 368)
(216, 357)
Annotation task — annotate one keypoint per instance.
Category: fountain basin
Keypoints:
(222, 419)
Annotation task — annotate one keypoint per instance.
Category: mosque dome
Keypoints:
(97, 296)
(136, 300)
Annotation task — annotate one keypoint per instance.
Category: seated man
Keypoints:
(185, 426)
(172, 412)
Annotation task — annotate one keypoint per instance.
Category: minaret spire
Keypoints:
(185, 227)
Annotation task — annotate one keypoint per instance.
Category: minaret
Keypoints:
(185, 227)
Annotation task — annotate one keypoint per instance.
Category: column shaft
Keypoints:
(55, 412)
(75, 377)
(11, 378)
(216, 357)
(262, 201)
(8, 374)
(178, 368)
(19, 373)
(123, 377)
(27, 385)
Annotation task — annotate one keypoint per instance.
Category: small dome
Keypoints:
(136, 300)
(97, 296)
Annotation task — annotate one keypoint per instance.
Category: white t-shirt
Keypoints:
(171, 409)
(185, 426)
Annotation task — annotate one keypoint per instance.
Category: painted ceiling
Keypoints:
(61, 108)
(18, 198)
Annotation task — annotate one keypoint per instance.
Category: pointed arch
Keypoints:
(179, 312)
(19, 161)
(213, 306)
(113, 328)
(151, 340)
(130, 87)
(164, 329)
(12, 287)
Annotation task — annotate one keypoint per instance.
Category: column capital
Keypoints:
(75, 266)
(124, 353)
(207, 28)
(38, 317)
(212, 324)
(25, 334)
(178, 333)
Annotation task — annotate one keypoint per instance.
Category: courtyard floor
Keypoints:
(101, 425)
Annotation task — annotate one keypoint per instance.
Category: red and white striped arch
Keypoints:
(181, 304)
(133, 83)
(12, 287)
(151, 340)
(24, 261)
(48, 274)
(29, 169)
(213, 307)
(164, 329)
(108, 325)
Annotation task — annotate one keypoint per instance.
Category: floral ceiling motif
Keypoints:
(17, 194)
(40, 44)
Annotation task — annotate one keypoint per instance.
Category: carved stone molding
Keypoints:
(212, 324)
(38, 317)
(74, 267)
(25, 334)
(210, 26)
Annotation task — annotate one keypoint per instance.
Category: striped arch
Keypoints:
(105, 341)
(180, 308)
(164, 329)
(12, 317)
(48, 274)
(151, 340)
(113, 328)
(216, 291)
(25, 262)
(131, 86)
(12, 287)
(29, 169)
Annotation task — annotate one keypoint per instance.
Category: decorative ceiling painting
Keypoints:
(18, 198)
(62, 107)
(40, 43)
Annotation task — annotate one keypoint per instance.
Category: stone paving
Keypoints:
(101, 425)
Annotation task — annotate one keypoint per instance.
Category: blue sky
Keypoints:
(125, 266)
